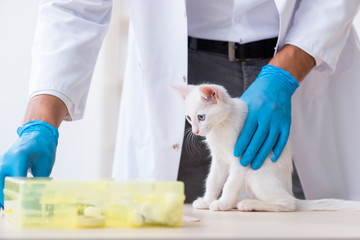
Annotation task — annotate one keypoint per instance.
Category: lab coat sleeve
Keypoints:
(67, 41)
(321, 28)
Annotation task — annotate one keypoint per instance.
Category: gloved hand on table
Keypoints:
(267, 126)
(35, 150)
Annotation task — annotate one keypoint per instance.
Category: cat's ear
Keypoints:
(183, 91)
(211, 93)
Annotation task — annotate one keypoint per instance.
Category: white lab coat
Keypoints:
(151, 123)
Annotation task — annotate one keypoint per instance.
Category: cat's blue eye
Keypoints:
(201, 117)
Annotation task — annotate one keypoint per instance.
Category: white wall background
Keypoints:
(86, 147)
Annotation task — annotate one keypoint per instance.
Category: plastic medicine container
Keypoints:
(48, 203)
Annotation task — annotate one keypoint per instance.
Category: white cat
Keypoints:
(214, 114)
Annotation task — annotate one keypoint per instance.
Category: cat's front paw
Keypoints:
(201, 203)
(221, 205)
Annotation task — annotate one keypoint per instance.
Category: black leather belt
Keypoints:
(235, 51)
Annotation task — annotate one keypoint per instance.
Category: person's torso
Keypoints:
(230, 20)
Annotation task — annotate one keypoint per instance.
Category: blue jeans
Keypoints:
(236, 77)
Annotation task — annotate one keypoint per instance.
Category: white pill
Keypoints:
(92, 212)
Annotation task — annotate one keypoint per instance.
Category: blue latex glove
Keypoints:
(267, 126)
(35, 150)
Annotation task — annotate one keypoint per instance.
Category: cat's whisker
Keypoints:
(193, 143)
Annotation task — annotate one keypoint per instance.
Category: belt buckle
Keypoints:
(231, 52)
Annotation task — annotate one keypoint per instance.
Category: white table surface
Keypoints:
(217, 225)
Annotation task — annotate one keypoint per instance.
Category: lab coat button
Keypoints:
(184, 78)
(176, 147)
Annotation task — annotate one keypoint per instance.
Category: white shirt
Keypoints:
(239, 21)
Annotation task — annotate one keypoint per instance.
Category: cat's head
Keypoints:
(207, 106)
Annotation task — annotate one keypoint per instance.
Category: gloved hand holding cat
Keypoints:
(267, 126)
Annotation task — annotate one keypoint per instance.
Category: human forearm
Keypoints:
(322, 28)
(47, 108)
(66, 44)
(293, 60)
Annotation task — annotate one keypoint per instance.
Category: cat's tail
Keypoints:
(327, 205)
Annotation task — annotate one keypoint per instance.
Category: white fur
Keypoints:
(269, 188)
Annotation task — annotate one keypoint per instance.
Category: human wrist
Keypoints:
(294, 60)
(283, 77)
(41, 126)
(46, 108)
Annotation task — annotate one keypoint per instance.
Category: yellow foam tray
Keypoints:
(48, 203)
